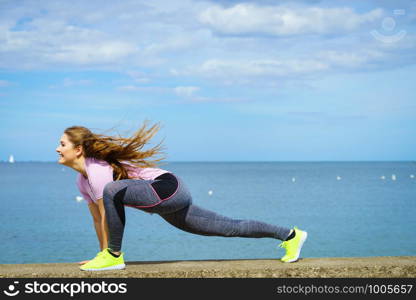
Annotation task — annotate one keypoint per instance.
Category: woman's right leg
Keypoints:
(128, 192)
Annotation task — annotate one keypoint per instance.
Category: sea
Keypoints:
(349, 209)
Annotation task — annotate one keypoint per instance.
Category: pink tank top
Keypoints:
(100, 173)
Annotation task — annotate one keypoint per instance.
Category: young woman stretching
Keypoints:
(114, 172)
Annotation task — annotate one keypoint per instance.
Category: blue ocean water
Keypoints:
(348, 208)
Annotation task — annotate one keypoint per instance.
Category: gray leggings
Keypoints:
(177, 210)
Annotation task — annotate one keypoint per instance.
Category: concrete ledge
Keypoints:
(370, 267)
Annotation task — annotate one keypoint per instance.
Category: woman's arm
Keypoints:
(100, 222)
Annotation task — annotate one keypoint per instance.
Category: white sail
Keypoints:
(11, 159)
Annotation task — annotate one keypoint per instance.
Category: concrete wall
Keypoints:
(370, 267)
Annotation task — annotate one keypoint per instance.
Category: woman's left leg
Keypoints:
(197, 220)
(183, 214)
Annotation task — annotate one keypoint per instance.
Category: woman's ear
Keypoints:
(79, 150)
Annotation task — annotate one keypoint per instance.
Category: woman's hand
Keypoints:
(83, 262)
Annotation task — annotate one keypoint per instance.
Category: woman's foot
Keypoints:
(293, 246)
(86, 261)
(105, 261)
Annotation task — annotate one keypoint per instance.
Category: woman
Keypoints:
(114, 172)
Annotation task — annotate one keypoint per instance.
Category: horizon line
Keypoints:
(231, 161)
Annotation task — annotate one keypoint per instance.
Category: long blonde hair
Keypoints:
(117, 149)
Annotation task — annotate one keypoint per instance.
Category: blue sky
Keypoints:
(227, 80)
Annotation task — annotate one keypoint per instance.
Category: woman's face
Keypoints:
(67, 152)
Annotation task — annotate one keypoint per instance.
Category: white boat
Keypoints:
(11, 159)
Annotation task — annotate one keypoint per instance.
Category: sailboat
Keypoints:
(11, 159)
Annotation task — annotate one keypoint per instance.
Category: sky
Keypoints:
(226, 80)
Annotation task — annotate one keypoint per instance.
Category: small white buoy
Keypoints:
(293, 179)
(412, 176)
(79, 198)
(393, 177)
(210, 193)
(383, 177)
(338, 177)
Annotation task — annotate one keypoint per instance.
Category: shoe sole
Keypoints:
(302, 240)
(117, 267)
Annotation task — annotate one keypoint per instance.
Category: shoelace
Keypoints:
(283, 245)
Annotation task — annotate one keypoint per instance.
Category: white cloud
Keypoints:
(49, 42)
(75, 34)
(129, 88)
(169, 44)
(201, 99)
(249, 71)
(350, 59)
(157, 36)
(138, 77)
(284, 20)
(219, 68)
(86, 53)
(186, 91)
(135, 88)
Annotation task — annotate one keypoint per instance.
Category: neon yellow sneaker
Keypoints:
(104, 261)
(293, 246)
